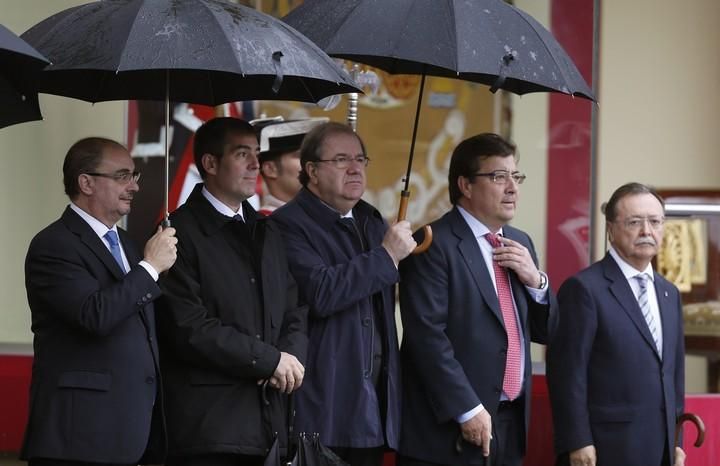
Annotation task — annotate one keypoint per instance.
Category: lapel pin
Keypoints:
(666, 295)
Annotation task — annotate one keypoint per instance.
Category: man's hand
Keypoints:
(679, 457)
(516, 257)
(160, 250)
(585, 456)
(398, 241)
(288, 374)
(478, 431)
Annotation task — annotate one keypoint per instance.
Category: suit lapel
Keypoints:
(471, 254)
(620, 289)
(86, 234)
(668, 320)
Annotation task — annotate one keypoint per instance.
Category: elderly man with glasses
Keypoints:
(616, 362)
(344, 258)
(470, 306)
(94, 395)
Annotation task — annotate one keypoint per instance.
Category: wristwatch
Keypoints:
(543, 280)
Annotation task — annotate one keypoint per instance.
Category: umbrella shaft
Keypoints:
(414, 134)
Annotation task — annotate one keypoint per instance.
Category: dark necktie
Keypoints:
(112, 239)
(512, 379)
(351, 225)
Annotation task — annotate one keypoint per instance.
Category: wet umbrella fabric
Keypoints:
(483, 41)
(210, 52)
(19, 64)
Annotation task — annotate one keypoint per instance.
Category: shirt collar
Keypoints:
(478, 228)
(97, 226)
(628, 270)
(219, 206)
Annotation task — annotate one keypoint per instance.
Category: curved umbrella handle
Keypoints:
(427, 241)
(699, 425)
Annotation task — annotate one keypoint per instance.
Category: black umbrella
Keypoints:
(19, 64)
(484, 41)
(197, 51)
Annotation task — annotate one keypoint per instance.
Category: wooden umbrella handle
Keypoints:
(402, 213)
(699, 425)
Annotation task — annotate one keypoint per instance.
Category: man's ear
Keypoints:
(465, 186)
(269, 169)
(311, 170)
(86, 184)
(209, 163)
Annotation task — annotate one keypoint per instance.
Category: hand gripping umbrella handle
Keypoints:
(402, 213)
(699, 425)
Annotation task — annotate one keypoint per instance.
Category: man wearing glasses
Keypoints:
(470, 306)
(94, 395)
(344, 258)
(616, 362)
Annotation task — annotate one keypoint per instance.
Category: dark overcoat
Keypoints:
(608, 385)
(338, 399)
(94, 391)
(454, 340)
(230, 308)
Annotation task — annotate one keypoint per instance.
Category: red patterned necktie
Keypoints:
(511, 380)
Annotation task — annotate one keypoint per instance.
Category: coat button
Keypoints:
(258, 336)
(148, 296)
(252, 280)
(150, 380)
(366, 374)
(366, 321)
(254, 362)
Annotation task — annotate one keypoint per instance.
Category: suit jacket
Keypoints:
(454, 340)
(95, 377)
(608, 386)
(229, 309)
(349, 294)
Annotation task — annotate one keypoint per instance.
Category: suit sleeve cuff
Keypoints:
(150, 269)
(470, 414)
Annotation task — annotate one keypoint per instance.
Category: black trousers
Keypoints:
(360, 456)
(218, 459)
(508, 442)
(54, 462)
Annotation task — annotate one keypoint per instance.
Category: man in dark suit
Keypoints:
(94, 395)
(616, 362)
(470, 306)
(230, 319)
(344, 258)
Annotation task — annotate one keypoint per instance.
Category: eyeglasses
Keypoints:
(120, 177)
(636, 223)
(343, 161)
(503, 176)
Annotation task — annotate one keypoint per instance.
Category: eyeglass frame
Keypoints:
(516, 176)
(123, 177)
(656, 223)
(342, 162)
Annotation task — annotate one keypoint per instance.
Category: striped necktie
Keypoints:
(644, 304)
(512, 382)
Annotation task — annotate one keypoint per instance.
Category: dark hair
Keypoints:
(313, 141)
(211, 138)
(84, 156)
(629, 189)
(466, 158)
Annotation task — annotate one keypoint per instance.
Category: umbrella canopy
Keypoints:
(484, 41)
(200, 51)
(19, 64)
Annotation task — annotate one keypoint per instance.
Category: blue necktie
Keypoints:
(112, 238)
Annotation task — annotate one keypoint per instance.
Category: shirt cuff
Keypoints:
(150, 269)
(470, 414)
